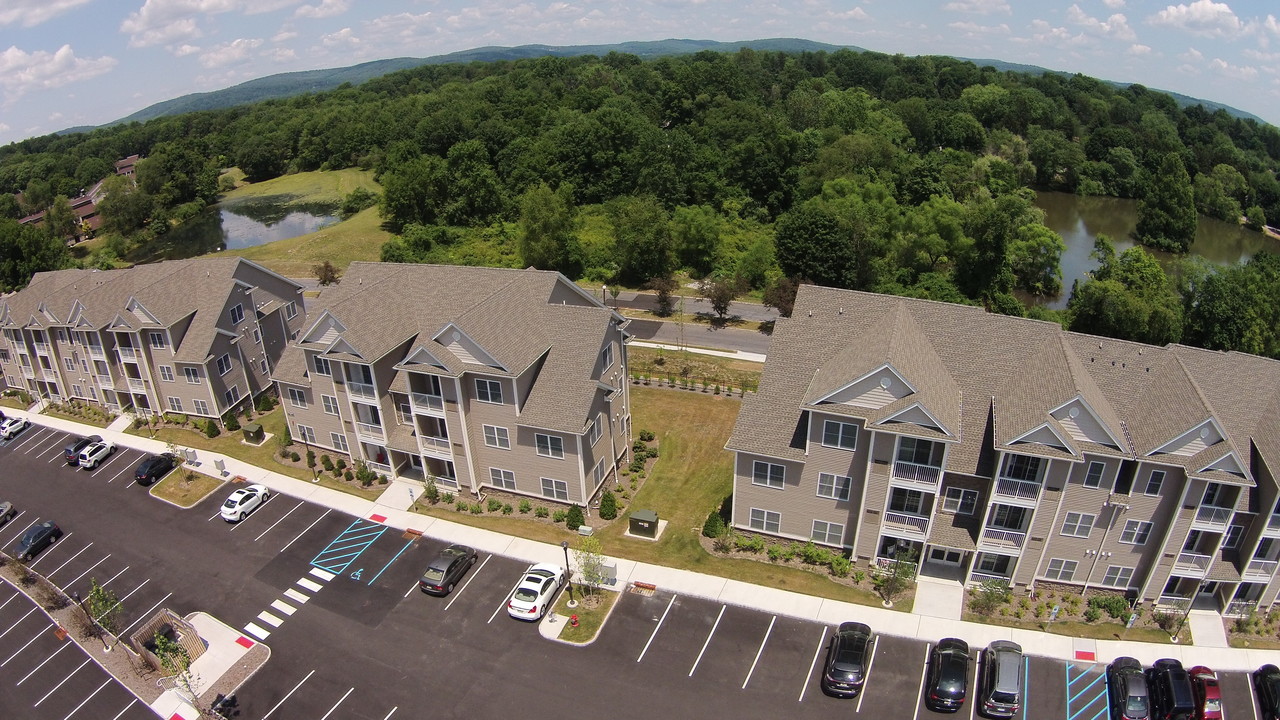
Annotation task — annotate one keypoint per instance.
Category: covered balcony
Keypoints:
(425, 395)
(918, 462)
(1006, 528)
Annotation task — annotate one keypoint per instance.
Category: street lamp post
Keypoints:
(564, 545)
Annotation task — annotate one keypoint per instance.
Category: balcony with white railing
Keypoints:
(1001, 538)
(370, 430)
(1273, 526)
(1260, 569)
(1240, 608)
(926, 475)
(423, 402)
(96, 352)
(361, 390)
(1173, 601)
(914, 525)
(105, 381)
(1212, 518)
(434, 444)
(977, 578)
(49, 375)
(127, 353)
(1023, 490)
(1192, 563)
(136, 384)
(28, 372)
(42, 348)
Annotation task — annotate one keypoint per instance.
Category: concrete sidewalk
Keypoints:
(392, 512)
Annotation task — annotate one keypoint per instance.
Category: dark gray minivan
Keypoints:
(1000, 687)
(1171, 695)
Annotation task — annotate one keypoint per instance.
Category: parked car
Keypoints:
(1000, 685)
(848, 655)
(72, 451)
(443, 573)
(10, 427)
(1204, 685)
(244, 501)
(533, 595)
(1266, 685)
(1128, 688)
(948, 679)
(152, 468)
(35, 539)
(95, 452)
(7, 512)
(1170, 688)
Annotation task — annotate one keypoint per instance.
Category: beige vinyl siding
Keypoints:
(795, 502)
(532, 467)
(1168, 536)
(314, 416)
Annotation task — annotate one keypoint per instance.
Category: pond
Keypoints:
(1080, 220)
(237, 224)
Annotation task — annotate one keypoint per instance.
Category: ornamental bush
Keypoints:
(712, 528)
(573, 519)
(609, 506)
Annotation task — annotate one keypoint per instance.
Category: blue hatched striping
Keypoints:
(1086, 693)
(348, 546)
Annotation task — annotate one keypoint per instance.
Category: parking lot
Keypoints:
(335, 598)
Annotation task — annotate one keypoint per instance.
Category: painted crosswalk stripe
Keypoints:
(269, 619)
(258, 632)
(312, 586)
(284, 607)
(325, 576)
(295, 595)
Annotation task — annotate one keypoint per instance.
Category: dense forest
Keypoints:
(760, 170)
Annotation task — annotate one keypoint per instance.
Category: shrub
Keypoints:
(859, 576)
(211, 429)
(573, 519)
(609, 506)
(366, 481)
(311, 458)
(477, 508)
(447, 498)
(751, 543)
(1113, 605)
(541, 512)
(341, 464)
(525, 506)
(432, 493)
(559, 516)
(638, 447)
(383, 480)
(345, 476)
(1092, 614)
(840, 565)
(712, 528)
(637, 464)
(646, 435)
(990, 595)
(326, 462)
(811, 554)
(462, 506)
(1166, 621)
(651, 452)
(494, 504)
(775, 553)
(231, 423)
(284, 453)
(725, 542)
(507, 509)
(296, 457)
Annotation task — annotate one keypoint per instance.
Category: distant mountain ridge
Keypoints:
(284, 85)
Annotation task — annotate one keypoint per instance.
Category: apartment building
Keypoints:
(991, 447)
(197, 336)
(514, 380)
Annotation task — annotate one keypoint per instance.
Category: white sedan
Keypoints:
(244, 501)
(535, 593)
(95, 452)
(12, 426)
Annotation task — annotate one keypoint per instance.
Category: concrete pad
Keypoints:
(400, 494)
(223, 648)
(1207, 629)
(938, 598)
(771, 600)
(171, 705)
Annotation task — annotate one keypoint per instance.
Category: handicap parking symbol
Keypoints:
(356, 575)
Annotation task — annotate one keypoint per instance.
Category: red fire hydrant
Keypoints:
(573, 621)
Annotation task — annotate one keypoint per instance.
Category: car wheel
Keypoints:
(473, 559)
(449, 589)
(24, 557)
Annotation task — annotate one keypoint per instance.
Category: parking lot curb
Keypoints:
(562, 621)
(152, 490)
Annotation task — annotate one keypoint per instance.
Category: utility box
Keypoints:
(644, 523)
(253, 433)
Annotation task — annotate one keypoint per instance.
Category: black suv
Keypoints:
(152, 468)
(447, 569)
(1128, 687)
(1172, 697)
(847, 658)
(1266, 685)
(73, 448)
(948, 680)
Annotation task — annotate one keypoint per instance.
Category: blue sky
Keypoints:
(87, 62)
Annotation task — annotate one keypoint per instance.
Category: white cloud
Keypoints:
(33, 12)
(159, 22)
(1138, 49)
(326, 8)
(978, 7)
(22, 72)
(1113, 4)
(854, 14)
(280, 55)
(343, 38)
(228, 53)
(55, 116)
(1045, 34)
(1116, 26)
(1192, 55)
(973, 28)
(185, 49)
(284, 35)
(1202, 17)
(3, 127)
(1235, 72)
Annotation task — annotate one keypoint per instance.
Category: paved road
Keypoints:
(334, 597)
(700, 336)
(750, 312)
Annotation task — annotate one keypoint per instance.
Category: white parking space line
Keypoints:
(410, 590)
(322, 574)
(56, 442)
(459, 591)
(1253, 697)
(707, 642)
(296, 596)
(64, 564)
(393, 712)
(16, 595)
(123, 632)
(757, 659)
(506, 598)
(86, 572)
(290, 694)
(284, 607)
(304, 532)
(123, 470)
(11, 540)
(56, 545)
(310, 585)
(42, 664)
(822, 640)
(17, 623)
(63, 682)
(126, 709)
(41, 435)
(215, 514)
(335, 705)
(282, 517)
(82, 702)
(35, 637)
(656, 628)
(923, 670)
(269, 619)
(867, 674)
(102, 465)
(113, 577)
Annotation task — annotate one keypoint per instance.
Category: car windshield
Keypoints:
(231, 502)
(1136, 707)
(433, 575)
(527, 594)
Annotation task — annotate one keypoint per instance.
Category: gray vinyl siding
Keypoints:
(1076, 497)
(314, 416)
(1169, 535)
(797, 502)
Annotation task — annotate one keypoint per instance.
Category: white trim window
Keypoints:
(597, 429)
(232, 395)
(840, 435)
(1154, 483)
(1061, 569)
(202, 407)
(1093, 478)
(504, 479)
(290, 310)
(321, 365)
(1077, 524)
(339, 441)
(606, 358)
(257, 336)
(237, 314)
(175, 404)
(307, 433)
(330, 404)
(765, 520)
(828, 533)
(1136, 532)
(551, 446)
(961, 501)
(297, 398)
(192, 375)
(768, 474)
(224, 364)
(1231, 540)
(1118, 576)
(157, 339)
(69, 363)
(489, 391)
(499, 437)
(835, 487)
(166, 373)
(555, 489)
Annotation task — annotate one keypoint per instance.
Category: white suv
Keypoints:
(93, 455)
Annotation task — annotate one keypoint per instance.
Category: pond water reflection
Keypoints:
(235, 225)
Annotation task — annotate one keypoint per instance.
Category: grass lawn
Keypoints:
(186, 488)
(328, 187)
(13, 402)
(590, 620)
(1097, 631)
(1254, 643)
(714, 370)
